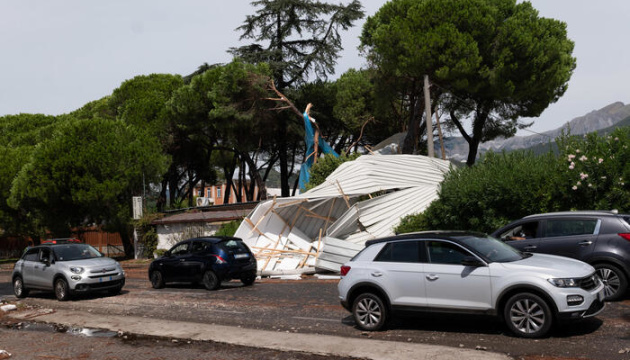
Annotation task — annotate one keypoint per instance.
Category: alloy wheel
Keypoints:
(527, 316)
(18, 287)
(611, 281)
(368, 312)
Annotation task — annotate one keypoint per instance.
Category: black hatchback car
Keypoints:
(207, 260)
(600, 238)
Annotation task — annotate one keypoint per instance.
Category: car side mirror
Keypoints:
(472, 261)
(46, 261)
(167, 254)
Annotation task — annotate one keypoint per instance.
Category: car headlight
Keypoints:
(76, 269)
(564, 283)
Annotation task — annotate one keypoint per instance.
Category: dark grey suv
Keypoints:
(600, 238)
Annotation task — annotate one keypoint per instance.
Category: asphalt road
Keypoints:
(311, 306)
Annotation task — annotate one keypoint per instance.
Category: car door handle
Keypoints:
(530, 248)
(377, 274)
(432, 277)
(585, 243)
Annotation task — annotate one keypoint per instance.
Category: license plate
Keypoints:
(241, 256)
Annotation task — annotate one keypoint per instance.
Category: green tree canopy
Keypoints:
(298, 39)
(86, 173)
(491, 61)
(19, 135)
(222, 109)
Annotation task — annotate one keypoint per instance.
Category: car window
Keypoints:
(180, 249)
(44, 255)
(522, 231)
(32, 255)
(200, 246)
(441, 252)
(569, 227)
(400, 251)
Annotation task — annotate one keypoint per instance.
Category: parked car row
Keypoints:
(67, 266)
(532, 273)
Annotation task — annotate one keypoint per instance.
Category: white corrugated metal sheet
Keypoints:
(325, 226)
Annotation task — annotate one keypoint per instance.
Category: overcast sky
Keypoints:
(58, 55)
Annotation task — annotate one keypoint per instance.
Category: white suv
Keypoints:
(467, 272)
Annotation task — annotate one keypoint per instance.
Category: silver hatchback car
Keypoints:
(66, 269)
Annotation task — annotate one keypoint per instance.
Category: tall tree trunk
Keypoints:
(229, 174)
(410, 143)
(254, 173)
(125, 236)
(477, 135)
(282, 152)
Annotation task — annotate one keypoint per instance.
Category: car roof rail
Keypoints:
(575, 212)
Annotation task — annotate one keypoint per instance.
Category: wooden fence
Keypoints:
(110, 244)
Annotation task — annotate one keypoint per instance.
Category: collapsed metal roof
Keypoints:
(361, 200)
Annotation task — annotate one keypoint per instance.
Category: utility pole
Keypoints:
(427, 106)
(439, 130)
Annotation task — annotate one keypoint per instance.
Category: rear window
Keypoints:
(400, 251)
(234, 245)
(570, 227)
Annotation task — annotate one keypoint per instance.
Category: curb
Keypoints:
(309, 343)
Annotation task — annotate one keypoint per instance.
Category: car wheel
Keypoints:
(248, 279)
(369, 312)
(615, 281)
(210, 280)
(62, 290)
(18, 288)
(157, 280)
(528, 315)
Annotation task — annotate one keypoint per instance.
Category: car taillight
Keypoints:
(344, 270)
(220, 260)
(625, 236)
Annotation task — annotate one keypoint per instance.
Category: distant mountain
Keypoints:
(602, 120)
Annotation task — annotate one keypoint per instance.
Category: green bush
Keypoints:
(588, 173)
(228, 229)
(160, 252)
(594, 171)
(500, 188)
(150, 240)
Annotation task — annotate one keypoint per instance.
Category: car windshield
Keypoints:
(491, 249)
(75, 252)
